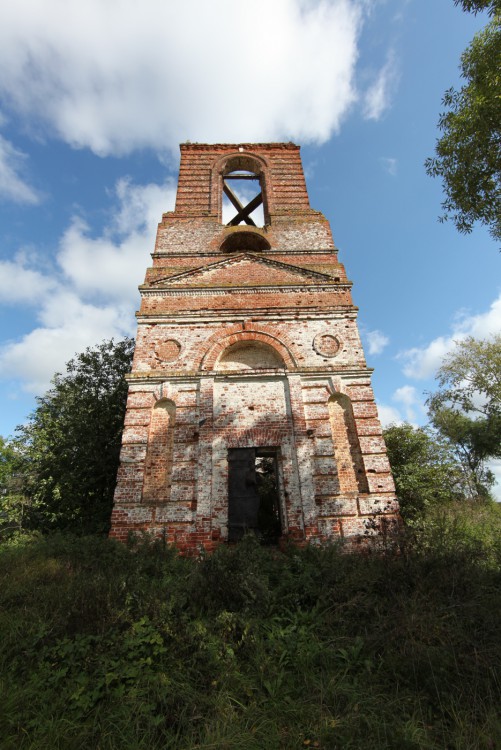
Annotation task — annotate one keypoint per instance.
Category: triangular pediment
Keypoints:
(244, 269)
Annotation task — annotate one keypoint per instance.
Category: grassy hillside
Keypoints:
(105, 647)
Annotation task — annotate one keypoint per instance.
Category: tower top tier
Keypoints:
(275, 167)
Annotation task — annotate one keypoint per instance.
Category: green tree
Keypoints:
(468, 154)
(425, 469)
(470, 376)
(472, 440)
(70, 446)
(466, 409)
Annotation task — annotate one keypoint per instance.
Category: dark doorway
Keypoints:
(253, 494)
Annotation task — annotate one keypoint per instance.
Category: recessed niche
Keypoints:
(249, 355)
(245, 241)
(326, 345)
(168, 351)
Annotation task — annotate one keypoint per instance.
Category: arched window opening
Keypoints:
(241, 242)
(347, 451)
(158, 464)
(249, 355)
(243, 192)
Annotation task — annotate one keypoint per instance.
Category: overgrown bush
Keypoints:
(107, 647)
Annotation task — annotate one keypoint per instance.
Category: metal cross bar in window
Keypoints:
(243, 211)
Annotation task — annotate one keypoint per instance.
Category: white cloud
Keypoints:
(141, 206)
(389, 415)
(482, 325)
(12, 185)
(104, 266)
(19, 284)
(45, 350)
(377, 341)
(422, 363)
(411, 402)
(114, 76)
(389, 165)
(378, 97)
(99, 267)
(406, 395)
(90, 294)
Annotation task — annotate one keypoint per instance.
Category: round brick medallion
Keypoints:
(168, 350)
(326, 344)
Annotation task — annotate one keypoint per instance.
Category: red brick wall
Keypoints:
(311, 400)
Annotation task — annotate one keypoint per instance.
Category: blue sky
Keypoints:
(95, 98)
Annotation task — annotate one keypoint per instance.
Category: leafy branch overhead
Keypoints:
(468, 154)
(476, 6)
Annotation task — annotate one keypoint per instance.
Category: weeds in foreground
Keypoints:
(104, 647)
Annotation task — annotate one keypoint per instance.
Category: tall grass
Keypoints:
(106, 647)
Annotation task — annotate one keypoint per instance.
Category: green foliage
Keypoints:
(104, 647)
(12, 501)
(471, 370)
(424, 467)
(468, 154)
(7, 458)
(474, 441)
(466, 409)
(463, 529)
(476, 6)
(70, 447)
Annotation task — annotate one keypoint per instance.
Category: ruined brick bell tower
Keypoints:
(250, 405)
